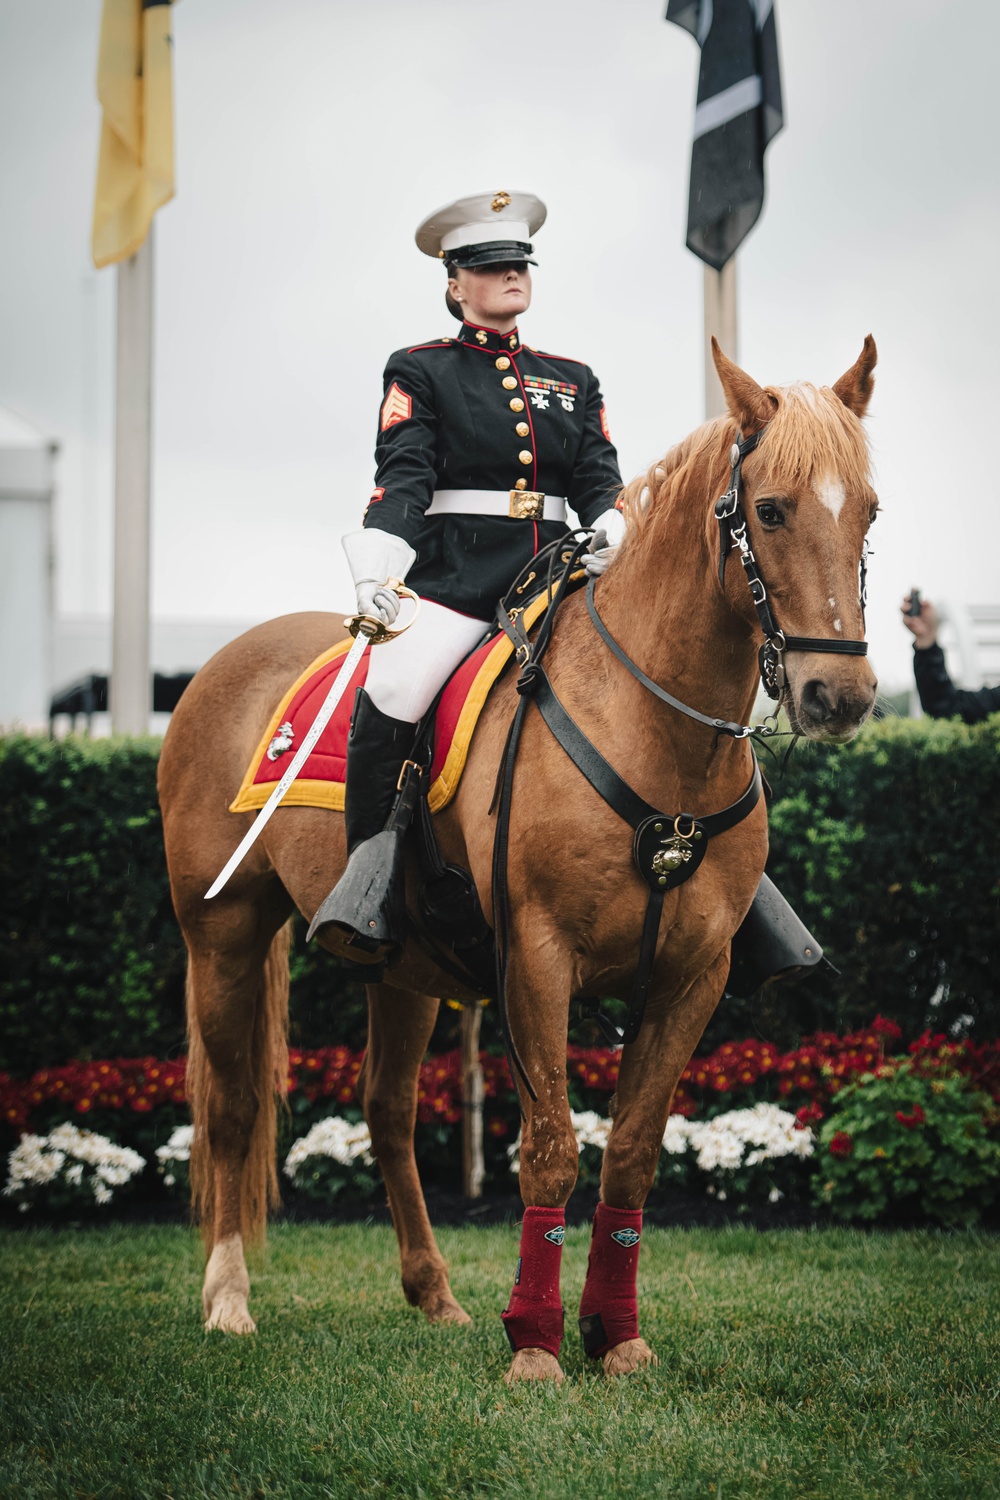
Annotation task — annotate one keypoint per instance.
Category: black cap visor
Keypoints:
(495, 252)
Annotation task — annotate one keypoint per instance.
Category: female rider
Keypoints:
(482, 444)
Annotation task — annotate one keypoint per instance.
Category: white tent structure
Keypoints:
(27, 484)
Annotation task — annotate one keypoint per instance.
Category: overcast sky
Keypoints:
(313, 135)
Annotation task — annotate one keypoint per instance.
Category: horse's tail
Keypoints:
(259, 1189)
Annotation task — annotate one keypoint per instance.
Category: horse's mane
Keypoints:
(811, 436)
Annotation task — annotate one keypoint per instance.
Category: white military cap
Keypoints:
(483, 229)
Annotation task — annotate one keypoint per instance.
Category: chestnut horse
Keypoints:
(576, 900)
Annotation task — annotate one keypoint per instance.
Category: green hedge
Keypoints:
(888, 848)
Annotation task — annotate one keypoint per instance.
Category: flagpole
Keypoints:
(130, 687)
(720, 319)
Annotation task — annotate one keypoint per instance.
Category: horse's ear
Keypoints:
(855, 388)
(748, 404)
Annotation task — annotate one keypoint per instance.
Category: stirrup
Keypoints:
(362, 919)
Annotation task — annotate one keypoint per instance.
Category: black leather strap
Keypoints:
(822, 643)
(605, 780)
(648, 823)
(721, 726)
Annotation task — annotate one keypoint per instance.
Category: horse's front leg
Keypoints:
(650, 1070)
(538, 984)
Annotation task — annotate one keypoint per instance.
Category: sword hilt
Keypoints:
(375, 628)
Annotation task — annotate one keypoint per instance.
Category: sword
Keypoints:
(367, 630)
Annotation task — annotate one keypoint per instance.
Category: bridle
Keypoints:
(732, 521)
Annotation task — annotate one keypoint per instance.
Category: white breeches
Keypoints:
(405, 675)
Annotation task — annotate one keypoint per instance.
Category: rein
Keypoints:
(732, 521)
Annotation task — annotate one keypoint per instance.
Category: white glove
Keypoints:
(374, 557)
(609, 532)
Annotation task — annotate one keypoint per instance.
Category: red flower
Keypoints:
(807, 1113)
(912, 1120)
(841, 1145)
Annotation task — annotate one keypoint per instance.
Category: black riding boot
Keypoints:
(363, 918)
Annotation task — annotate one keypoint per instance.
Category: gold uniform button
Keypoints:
(517, 404)
(503, 363)
(525, 457)
(522, 429)
(509, 383)
(521, 484)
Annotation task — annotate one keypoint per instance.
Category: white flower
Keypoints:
(178, 1148)
(335, 1138)
(770, 1131)
(38, 1160)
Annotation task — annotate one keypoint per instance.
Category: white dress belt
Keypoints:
(517, 503)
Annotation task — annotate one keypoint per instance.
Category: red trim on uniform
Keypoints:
(444, 344)
(604, 423)
(566, 359)
(377, 493)
(531, 426)
(485, 328)
(397, 407)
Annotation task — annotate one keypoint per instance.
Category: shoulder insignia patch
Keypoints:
(397, 407)
(604, 423)
(555, 1236)
(625, 1237)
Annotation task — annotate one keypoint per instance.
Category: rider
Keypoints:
(483, 442)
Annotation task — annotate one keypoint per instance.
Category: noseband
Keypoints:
(732, 521)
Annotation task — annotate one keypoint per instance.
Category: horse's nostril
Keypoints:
(815, 701)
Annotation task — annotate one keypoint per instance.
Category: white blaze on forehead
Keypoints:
(832, 493)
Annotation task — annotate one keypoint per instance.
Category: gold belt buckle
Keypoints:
(527, 505)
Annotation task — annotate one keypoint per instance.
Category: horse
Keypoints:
(576, 902)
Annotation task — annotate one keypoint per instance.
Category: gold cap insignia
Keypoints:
(500, 201)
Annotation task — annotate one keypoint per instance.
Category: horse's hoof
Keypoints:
(626, 1358)
(230, 1315)
(534, 1364)
(446, 1310)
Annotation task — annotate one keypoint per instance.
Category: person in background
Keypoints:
(938, 695)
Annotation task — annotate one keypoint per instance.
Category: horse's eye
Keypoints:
(770, 516)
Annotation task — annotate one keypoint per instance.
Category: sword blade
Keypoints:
(333, 697)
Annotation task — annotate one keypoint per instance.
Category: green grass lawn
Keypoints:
(795, 1363)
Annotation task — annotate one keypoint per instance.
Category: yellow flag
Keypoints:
(135, 170)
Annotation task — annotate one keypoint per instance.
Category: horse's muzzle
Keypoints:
(833, 707)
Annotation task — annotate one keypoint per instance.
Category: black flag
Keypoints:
(737, 115)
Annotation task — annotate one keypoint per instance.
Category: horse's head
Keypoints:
(809, 502)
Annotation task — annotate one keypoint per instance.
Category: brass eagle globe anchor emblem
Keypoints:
(677, 849)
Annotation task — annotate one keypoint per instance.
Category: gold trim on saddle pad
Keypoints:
(311, 793)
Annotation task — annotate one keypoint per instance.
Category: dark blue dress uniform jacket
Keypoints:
(485, 412)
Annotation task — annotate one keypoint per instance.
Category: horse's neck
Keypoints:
(662, 602)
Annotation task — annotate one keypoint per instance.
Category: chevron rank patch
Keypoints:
(397, 407)
(625, 1237)
(555, 1236)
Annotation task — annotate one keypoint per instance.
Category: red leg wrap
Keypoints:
(534, 1319)
(609, 1312)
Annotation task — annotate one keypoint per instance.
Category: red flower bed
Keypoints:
(808, 1076)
